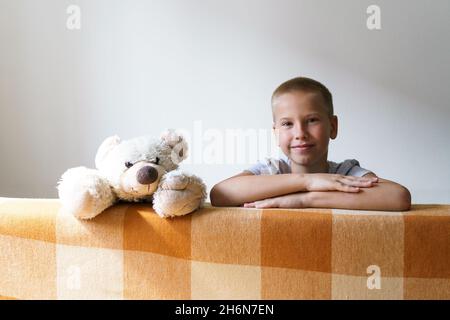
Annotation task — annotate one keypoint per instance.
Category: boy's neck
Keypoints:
(320, 167)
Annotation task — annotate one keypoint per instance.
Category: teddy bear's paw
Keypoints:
(171, 203)
(84, 193)
(197, 186)
(81, 205)
(174, 180)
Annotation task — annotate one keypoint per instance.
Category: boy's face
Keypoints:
(303, 127)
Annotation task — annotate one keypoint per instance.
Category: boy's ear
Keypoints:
(334, 127)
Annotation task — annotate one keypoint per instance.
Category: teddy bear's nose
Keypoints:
(147, 175)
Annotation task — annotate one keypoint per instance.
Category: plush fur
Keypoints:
(135, 170)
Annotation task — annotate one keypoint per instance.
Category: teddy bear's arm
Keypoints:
(84, 192)
(179, 193)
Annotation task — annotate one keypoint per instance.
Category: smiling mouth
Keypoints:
(302, 149)
(305, 146)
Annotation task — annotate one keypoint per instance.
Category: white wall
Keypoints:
(137, 67)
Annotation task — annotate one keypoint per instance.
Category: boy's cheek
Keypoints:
(284, 142)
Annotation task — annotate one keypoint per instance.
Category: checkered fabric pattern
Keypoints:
(129, 252)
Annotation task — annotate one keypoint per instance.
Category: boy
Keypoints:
(304, 122)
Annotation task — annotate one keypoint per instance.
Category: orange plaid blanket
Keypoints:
(129, 252)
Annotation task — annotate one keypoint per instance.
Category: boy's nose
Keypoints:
(300, 133)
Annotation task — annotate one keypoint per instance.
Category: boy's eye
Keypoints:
(313, 120)
(128, 164)
(284, 124)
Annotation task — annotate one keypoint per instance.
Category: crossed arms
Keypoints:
(317, 190)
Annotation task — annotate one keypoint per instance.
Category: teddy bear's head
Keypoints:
(134, 167)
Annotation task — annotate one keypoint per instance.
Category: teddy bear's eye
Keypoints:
(128, 164)
(157, 160)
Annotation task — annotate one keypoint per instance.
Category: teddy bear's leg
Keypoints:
(84, 192)
(178, 194)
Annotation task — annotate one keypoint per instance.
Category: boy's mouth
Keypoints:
(302, 147)
(305, 145)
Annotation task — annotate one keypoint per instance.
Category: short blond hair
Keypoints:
(306, 85)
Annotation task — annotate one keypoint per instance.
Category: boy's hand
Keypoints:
(294, 200)
(337, 182)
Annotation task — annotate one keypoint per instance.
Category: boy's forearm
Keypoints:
(238, 190)
(386, 196)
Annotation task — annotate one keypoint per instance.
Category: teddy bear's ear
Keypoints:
(177, 143)
(105, 148)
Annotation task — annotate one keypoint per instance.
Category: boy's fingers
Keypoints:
(373, 179)
(260, 204)
(362, 183)
(347, 188)
(263, 204)
(358, 183)
(361, 178)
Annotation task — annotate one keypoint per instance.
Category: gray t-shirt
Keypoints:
(349, 167)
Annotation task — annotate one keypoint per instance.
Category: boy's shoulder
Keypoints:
(348, 167)
(271, 166)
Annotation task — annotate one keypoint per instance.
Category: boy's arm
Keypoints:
(247, 187)
(384, 196)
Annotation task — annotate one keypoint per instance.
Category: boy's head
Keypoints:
(304, 120)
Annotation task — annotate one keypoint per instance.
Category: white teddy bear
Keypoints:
(139, 169)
